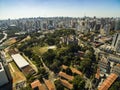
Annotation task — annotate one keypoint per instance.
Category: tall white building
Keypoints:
(107, 29)
(3, 76)
(116, 42)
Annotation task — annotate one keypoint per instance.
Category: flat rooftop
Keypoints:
(19, 60)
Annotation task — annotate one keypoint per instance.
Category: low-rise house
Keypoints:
(66, 84)
(36, 85)
(65, 76)
(74, 70)
(49, 84)
(64, 67)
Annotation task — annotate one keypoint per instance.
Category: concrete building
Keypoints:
(20, 61)
(107, 29)
(116, 42)
(108, 82)
(116, 69)
(36, 85)
(3, 76)
(7, 70)
(114, 59)
(104, 65)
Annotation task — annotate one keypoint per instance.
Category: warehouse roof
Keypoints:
(19, 60)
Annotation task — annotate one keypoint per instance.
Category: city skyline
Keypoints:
(15, 9)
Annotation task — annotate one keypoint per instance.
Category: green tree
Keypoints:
(26, 88)
(48, 57)
(115, 85)
(58, 85)
(78, 83)
(69, 71)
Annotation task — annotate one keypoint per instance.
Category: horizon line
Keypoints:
(61, 16)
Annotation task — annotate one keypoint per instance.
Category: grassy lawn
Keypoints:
(17, 74)
(7, 56)
(14, 66)
(40, 50)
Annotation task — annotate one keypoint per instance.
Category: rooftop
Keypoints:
(49, 84)
(28, 70)
(108, 82)
(74, 70)
(19, 60)
(113, 58)
(64, 66)
(66, 76)
(37, 83)
(97, 75)
(66, 84)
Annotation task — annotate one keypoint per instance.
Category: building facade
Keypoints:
(3, 76)
(116, 42)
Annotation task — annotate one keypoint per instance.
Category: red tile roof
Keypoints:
(66, 84)
(97, 75)
(66, 76)
(49, 84)
(37, 84)
(108, 82)
(74, 70)
(64, 67)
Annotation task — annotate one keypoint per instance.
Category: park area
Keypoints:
(41, 50)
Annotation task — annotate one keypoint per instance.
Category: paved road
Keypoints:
(51, 73)
(5, 36)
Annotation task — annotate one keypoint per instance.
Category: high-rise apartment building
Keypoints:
(116, 42)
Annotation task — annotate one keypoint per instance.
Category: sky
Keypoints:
(14, 9)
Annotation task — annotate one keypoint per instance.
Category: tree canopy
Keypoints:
(78, 83)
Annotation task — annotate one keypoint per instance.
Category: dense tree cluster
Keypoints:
(78, 83)
(1, 36)
(55, 58)
(58, 85)
(115, 85)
